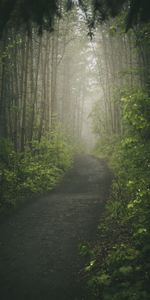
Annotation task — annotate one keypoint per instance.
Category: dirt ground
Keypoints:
(39, 243)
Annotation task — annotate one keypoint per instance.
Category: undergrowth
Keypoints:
(119, 265)
(37, 170)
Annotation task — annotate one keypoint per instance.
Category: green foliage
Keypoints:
(105, 146)
(42, 13)
(136, 112)
(36, 170)
(121, 259)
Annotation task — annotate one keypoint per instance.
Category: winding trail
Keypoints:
(39, 244)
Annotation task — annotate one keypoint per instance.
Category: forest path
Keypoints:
(39, 244)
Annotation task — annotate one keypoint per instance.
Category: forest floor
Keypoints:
(39, 243)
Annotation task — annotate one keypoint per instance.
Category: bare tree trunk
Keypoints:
(24, 112)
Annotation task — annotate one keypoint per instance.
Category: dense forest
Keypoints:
(75, 76)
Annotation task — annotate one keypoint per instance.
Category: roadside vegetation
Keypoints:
(118, 267)
(36, 170)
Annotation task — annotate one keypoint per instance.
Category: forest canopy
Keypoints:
(42, 12)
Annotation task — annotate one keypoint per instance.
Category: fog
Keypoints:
(66, 76)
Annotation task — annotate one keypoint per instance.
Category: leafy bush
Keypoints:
(36, 170)
(121, 259)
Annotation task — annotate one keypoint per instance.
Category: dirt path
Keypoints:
(39, 244)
